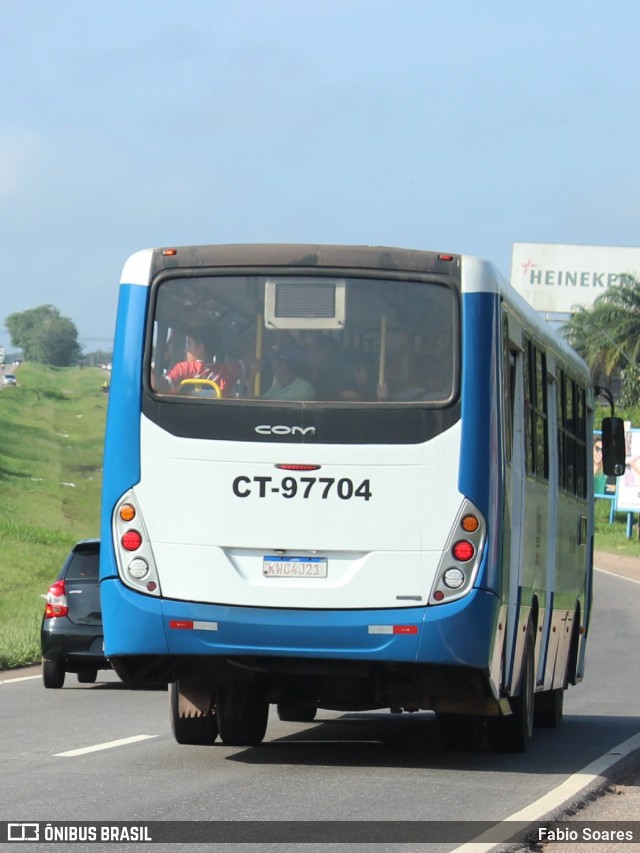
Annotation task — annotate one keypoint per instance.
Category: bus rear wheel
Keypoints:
(548, 708)
(197, 730)
(514, 733)
(297, 712)
(459, 731)
(242, 713)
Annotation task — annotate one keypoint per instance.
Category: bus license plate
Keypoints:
(294, 567)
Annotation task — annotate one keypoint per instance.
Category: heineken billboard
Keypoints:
(558, 278)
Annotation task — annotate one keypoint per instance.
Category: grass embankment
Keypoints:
(51, 428)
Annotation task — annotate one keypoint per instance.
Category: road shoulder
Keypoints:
(616, 564)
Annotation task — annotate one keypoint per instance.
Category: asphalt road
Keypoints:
(104, 752)
(615, 798)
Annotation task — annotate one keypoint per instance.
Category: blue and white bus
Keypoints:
(369, 489)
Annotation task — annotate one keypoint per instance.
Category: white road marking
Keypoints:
(15, 680)
(99, 746)
(555, 798)
(615, 575)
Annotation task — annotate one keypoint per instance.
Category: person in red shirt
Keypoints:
(199, 365)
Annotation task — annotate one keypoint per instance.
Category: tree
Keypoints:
(607, 335)
(44, 336)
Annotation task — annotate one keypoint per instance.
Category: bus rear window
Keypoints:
(306, 339)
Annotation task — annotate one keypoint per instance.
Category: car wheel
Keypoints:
(53, 674)
(87, 676)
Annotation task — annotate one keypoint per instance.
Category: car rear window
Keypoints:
(83, 566)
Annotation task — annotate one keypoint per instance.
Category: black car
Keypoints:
(71, 631)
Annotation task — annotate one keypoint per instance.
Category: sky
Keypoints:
(450, 125)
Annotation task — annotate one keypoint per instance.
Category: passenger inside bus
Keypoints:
(360, 383)
(288, 380)
(327, 366)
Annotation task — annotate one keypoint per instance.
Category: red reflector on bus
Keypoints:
(289, 467)
(445, 257)
(181, 624)
(405, 629)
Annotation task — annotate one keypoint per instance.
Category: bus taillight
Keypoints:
(127, 512)
(470, 523)
(461, 557)
(134, 554)
(131, 540)
(454, 578)
(463, 550)
(297, 467)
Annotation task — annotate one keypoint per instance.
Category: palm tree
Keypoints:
(607, 336)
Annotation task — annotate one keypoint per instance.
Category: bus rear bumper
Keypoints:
(409, 658)
(458, 633)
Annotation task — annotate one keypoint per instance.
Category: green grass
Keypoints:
(52, 428)
(612, 538)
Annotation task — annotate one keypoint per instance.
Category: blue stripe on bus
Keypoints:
(122, 437)
(481, 463)
(478, 448)
(457, 633)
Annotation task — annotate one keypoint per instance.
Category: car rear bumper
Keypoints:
(75, 646)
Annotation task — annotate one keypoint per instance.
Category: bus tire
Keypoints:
(242, 719)
(297, 712)
(459, 731)
(201, 730)
(514, 732)
(548, 708)
(53, 674)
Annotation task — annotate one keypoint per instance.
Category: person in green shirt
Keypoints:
(288, 382)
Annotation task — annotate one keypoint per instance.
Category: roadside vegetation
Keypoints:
(52, 426)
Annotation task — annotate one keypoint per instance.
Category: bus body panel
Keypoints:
(209, 543)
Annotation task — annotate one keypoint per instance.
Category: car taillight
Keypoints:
(56, 601)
